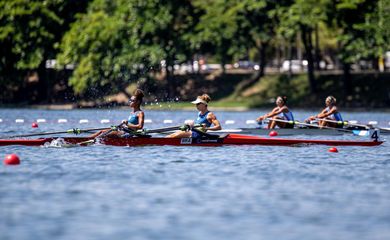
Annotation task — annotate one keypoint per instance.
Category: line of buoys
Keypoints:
(166, 121)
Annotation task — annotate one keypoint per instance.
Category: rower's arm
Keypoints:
(324, 113)
(213, 119)
(274, 112)
(140, 125)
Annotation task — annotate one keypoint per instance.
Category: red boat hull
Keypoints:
(230, 139)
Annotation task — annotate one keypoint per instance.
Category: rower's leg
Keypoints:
(180, 134)
(272, 124)
(97, 133)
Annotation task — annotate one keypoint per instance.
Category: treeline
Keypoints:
(109, 44)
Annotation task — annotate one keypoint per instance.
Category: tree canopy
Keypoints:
(114, 43)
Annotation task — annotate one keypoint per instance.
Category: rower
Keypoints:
(330, 112)
(205, 119)
(136, 118)
(281, 112)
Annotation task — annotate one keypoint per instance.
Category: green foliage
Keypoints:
(24, 32)
(115, 43)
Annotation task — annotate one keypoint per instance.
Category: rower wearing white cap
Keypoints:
(205, 119)
(329, 113)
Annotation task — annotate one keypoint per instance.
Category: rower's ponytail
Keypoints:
(205, 97)
(139, 94)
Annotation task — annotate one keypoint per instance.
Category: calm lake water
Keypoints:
(230, 192)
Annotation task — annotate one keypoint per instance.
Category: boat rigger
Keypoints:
(209, 140)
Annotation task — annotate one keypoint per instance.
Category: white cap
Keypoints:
(198, 100)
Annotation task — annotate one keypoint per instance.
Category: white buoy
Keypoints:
(41, 120)
(168, 121)
(19, 120)
(103, 121)
(228, 122)
(250, 122)
(83, 121)
(353, 122)
(373, 123)
(1, 120)
(148, 121)
(189, 122)
(62, 120)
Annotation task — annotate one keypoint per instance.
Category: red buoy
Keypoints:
(34, 125)
(273, 134)
(333, 149)
(11, 159)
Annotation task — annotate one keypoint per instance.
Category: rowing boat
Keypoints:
(210, 140)
(301, 131)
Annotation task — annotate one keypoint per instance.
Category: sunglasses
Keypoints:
(132, 100)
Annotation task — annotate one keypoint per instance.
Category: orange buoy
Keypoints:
(273, 134)
(34, 125)
(333, 149)
(11, 159)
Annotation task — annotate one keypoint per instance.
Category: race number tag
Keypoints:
(375, 134)
(186, 141)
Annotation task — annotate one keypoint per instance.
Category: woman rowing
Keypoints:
(330, 116)
(280, 116)
(136, 118)
(205, 119)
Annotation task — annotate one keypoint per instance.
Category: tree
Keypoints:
(28, 32)
(117, 42)
(303, 16)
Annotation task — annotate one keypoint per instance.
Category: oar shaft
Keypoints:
(343, 122)
(309, 125)
(161, 130)
(74, 130)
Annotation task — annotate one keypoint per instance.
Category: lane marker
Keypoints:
(19, 120)
(227, 122)
(62, 120)
(373, 123)
(353, 122)
(148, 121)
(105, 121)
(168, 121)
(1, 120)
(250, 122)
(189, 122)
(83, 121)
(41, 120)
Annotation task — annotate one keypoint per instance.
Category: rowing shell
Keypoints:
(228, 139)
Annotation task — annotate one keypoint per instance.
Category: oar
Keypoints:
(316, 126)
(161, 130)
(113, 128)
(344, 123)
(74, 131)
